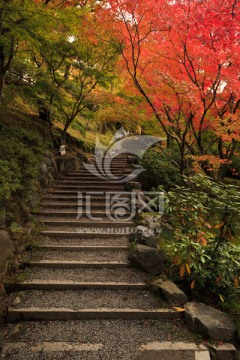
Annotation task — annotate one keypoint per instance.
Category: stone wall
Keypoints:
(48, 170)
(54, 167)
(6, 253)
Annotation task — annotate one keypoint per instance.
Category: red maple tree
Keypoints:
(183, 57)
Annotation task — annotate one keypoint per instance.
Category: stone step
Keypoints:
(101, 197)
(106, 162)
(76, 181)
(62, 285)
(96, 256)
(79, 212)
(88, 299)
(95, 173)
(114, 176)
(87, 350)
(115, 159)
(85, 234)
(112, 161)
(117, 171)
(67, 247)
(74, 193)
(90, 180)
(83, 223)
(62, 278)
(105, 166)
(23, 351)
(90, 228)
(94, 176)
(80, 177)
(87, 183)
(115, 162)
(72, 264)
(83, 214)
(102, 339)
(89, 177)
(73, 205)
(89, 187)
(115, 167)
(50, 314)
(87, 242)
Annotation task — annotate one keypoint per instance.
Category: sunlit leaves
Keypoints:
(184, 60)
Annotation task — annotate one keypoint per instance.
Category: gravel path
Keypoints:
(89, 274)
(89, 299)
(84, 242)
(121, 339)
(73, 213)
(94, 255)
(103, 221)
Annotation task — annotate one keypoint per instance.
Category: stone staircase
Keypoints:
(79, 298)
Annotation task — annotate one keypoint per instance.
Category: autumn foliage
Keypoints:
(183, 57)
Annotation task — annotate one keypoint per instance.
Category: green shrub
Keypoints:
(9, 178)
(159, 170)
(21, 153)
(205, 245)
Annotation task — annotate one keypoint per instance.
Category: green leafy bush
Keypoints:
(205, 245)
(9, 178)
(21, 153)
(159, 170)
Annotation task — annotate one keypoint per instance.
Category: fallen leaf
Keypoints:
(178, 309)
(182, 270)
(188, 269)
(193, 284)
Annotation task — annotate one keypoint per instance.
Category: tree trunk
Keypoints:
(222, 172)
(168, 141)
(104, 128)
(2, 77)
(45, 115)
(182, 162)
(64, 132)
(56, 142)
(63, 137)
